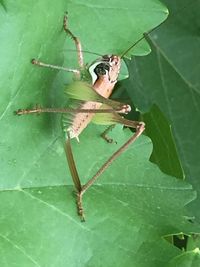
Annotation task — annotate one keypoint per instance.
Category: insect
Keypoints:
(89, 95)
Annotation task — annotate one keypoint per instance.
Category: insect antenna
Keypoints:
(84, 51)
(145, 34)
(140, 39)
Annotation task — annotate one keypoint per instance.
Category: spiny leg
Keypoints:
(38, 110)
(79, 202)
(105, 136)
(76, 41)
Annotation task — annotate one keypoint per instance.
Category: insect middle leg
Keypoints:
(105, 136)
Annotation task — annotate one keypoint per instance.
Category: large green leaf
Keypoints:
(114, 25)
(132, 206)
(169, 78)
(30, 31)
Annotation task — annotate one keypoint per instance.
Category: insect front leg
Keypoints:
(76, 41)
(79, 53)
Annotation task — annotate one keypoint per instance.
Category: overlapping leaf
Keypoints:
(132, 206)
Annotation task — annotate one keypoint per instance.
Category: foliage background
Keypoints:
(134, 205)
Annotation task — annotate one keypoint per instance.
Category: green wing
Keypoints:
(112, 118)
(83, 91)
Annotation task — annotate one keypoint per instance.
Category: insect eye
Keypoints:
(101, 69)
(106, 57)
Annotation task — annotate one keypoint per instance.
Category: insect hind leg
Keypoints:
(75, 39)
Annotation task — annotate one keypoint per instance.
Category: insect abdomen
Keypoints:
(75, 123)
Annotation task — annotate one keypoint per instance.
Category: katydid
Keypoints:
(89, 95)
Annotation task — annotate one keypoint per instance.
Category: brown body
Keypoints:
(103, 85)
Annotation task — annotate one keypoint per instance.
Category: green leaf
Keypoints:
(189, 259)
(39, 34)
(133, 205)
(164, 150)
(169, 78)
(193, 242)
(119, 24)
